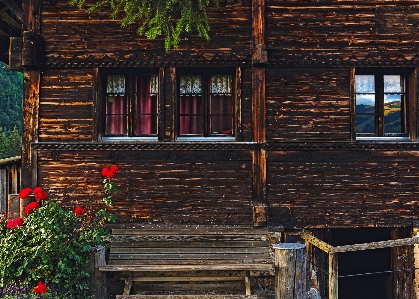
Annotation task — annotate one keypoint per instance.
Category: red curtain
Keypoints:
(190, 114)
(146, 108)
(221, 114)
(116, 116)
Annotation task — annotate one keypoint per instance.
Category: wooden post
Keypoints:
(97, 287)
(333, 276)
(416, 257)
(3, 190)
(290, 271)
(13, 206)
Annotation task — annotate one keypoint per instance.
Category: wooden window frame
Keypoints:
(409, 102)
(206, 74)
(131, 75)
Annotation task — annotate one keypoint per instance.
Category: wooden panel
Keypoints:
(204, 187)
(308, 104)
(342, 188)
(70, 32)
(66, 106)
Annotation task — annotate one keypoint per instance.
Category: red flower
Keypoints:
(17, 222)
(9, 224)
(40, 194)
(41, 288)
(110, 173)
(114, 169)
(25, 193)
(31, 206)
(105, 171)
(79, 210)
(14, 223)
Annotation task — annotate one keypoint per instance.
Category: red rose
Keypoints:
(114, 169)
(40, 288)
(110, 174)
(9, 224)
(79, 210)
(17, 222)
(25, 193)
(105, 171)
(31, 206)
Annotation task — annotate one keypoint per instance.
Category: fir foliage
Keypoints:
(168, 18)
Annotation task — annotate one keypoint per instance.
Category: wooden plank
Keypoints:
(3, 190)
(188, 278)
(193, 256)
(333, 276)
(186, 297)
(203, 231)
(257, 251)
(376, 245)
(134, 243)
(187, 262)
(317, 242)
(195, 267)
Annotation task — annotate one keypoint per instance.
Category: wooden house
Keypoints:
(299, 114)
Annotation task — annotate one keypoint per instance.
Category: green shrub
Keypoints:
(51, 245)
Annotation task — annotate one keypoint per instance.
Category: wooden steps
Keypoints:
(186, 297)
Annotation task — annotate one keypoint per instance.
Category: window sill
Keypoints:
(108, 139)
(194, 139)
(384, 139)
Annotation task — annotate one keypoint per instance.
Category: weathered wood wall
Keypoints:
(295, 150)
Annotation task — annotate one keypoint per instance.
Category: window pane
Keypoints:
(190, 85)
(365, 124)
(115, 85)
(393, 84)
(221, 105)
(146, 105)
(190, 114)
(365, 83)
(116, 120)
(392, 113)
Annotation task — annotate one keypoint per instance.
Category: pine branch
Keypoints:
(167, 18)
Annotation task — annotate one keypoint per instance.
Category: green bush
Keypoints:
(51, 245)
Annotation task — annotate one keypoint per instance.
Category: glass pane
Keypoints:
(221, 84)
(190, 114)
(393, 84)
(115, 85)
(190, 85)
(365, 83)
(116, 120)
(365, 124)
(392, 113)
(146, 106)
(221, 114)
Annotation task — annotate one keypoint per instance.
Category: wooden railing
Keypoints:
(334, 250)
(9, 180)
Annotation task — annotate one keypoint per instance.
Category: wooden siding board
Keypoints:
(70, 32)
(66, 105)
(308, 104)
(342, 188)
(193, 189)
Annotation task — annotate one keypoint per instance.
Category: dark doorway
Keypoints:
(370, 286)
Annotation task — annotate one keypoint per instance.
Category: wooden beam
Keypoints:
(333, 276)
(376, 245)
(317, 242)
(14, 8)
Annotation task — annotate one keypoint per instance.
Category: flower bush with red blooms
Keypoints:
(49, 248)
(40, 288)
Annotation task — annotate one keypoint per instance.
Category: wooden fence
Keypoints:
(10, 172)
(334, 250)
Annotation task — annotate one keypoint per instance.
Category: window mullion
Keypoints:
(379, 101)
(206, 106)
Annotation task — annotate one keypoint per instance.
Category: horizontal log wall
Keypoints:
(343, 188)
(307, 104)
(190, 187)
(71, 33)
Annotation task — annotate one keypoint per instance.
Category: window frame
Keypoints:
(409, 104)
(131, 77)
(206, 74)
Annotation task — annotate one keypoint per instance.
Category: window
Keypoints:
(382, 106)
(131, 105)
(206, 105)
